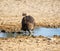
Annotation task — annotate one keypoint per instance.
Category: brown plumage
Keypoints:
(28, 23)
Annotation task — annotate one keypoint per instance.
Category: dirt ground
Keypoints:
(25, 43)
(13, 24)
(45, 12)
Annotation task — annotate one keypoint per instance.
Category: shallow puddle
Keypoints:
(47, 32)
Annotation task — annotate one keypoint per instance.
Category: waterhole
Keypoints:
(47, 32)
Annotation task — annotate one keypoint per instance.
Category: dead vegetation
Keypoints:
(25, 43)
(13, 24)
(45, 12)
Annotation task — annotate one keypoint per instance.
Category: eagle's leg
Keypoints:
(30, 33)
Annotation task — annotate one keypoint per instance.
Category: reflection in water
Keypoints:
(6, 35)
(38, 31)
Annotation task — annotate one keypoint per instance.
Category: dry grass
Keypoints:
(45, 12)
(10, 24)
(48, 21)
(13, 24)
(25, 43)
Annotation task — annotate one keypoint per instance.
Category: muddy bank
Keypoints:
(25, 43)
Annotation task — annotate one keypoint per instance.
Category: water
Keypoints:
(47, 32)
(4, 35)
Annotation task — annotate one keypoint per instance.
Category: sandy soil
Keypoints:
(25, 43)
(45, 12)
(13, 24)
